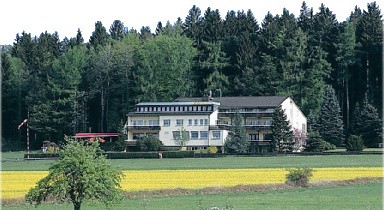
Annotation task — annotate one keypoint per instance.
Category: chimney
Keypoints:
(207, 96)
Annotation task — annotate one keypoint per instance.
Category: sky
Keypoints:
(67, 16)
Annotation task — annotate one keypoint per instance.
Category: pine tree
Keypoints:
(346, 58)
(236, 141)
(117, 30)
(99, 36)
(367, 124)
(314, 142)
(191, 26)
(329, 122)
(282, 134)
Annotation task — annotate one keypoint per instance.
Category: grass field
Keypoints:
(355, 196)
(213, 163)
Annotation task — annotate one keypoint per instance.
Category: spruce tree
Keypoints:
(366, 123)
(329, 122)
(99, 36)
(117, 30)
(236, 141)
(314, 142)
(282, 135)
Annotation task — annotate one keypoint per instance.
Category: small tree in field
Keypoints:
(299, 176)
(81, 174)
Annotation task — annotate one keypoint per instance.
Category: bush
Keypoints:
(149, 143)
(327, 146)
(355, 143)
(212, 150)
(299, 176)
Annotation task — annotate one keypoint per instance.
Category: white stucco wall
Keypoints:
(294, 115)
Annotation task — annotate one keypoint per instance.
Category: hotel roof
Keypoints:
(242, 101)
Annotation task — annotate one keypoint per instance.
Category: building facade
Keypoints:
(206, 121)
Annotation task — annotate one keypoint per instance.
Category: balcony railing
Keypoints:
(245, 114)
(142, 127)
(247, 127)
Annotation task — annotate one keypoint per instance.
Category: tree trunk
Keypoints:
(76, 205)
(102, 110)
(347, 104)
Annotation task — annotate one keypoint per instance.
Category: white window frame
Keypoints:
(166, 122)
(203, 134)
(215, 136)
(192, 135)
(179, 122)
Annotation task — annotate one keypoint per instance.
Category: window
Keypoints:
(196, 121)
(267, 136)
(209, 108)
(167, 122)
(179, 122)
(303, 127)
(203, 134)
(201, 121)
(138, 122)
(176, 135)
(189, 122)
(205, 121)
(137, 136)
(194, 134)
(153, 122)
(215, 134)
(253, 137)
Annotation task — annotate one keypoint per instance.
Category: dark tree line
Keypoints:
(68, 86)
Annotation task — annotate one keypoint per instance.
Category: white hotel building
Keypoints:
(208, 120)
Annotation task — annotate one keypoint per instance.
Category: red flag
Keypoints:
(22, 123)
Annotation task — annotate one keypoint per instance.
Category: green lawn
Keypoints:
(356, 196)
(217, 163)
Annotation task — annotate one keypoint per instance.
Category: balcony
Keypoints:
(260, 142)
(225, 126)
(257, 115)
(142, 127)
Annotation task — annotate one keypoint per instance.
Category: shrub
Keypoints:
(327, 146)
(212, 150)
(299, 176)
(149, 143)
(355, 143)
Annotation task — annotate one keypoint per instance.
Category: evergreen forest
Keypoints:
(70, 85)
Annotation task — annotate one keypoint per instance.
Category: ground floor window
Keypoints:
(203, 134)
(215, 134)
(253, 137)
(194, 134)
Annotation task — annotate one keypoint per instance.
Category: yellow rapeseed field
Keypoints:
(15, 184)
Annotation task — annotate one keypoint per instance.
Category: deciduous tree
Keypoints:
(81, 174)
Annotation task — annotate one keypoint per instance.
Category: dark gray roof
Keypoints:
(243, 101)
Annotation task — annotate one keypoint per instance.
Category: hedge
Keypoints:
(124, 155)
(192, 154)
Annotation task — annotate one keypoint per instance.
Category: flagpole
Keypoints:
(28, 136)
